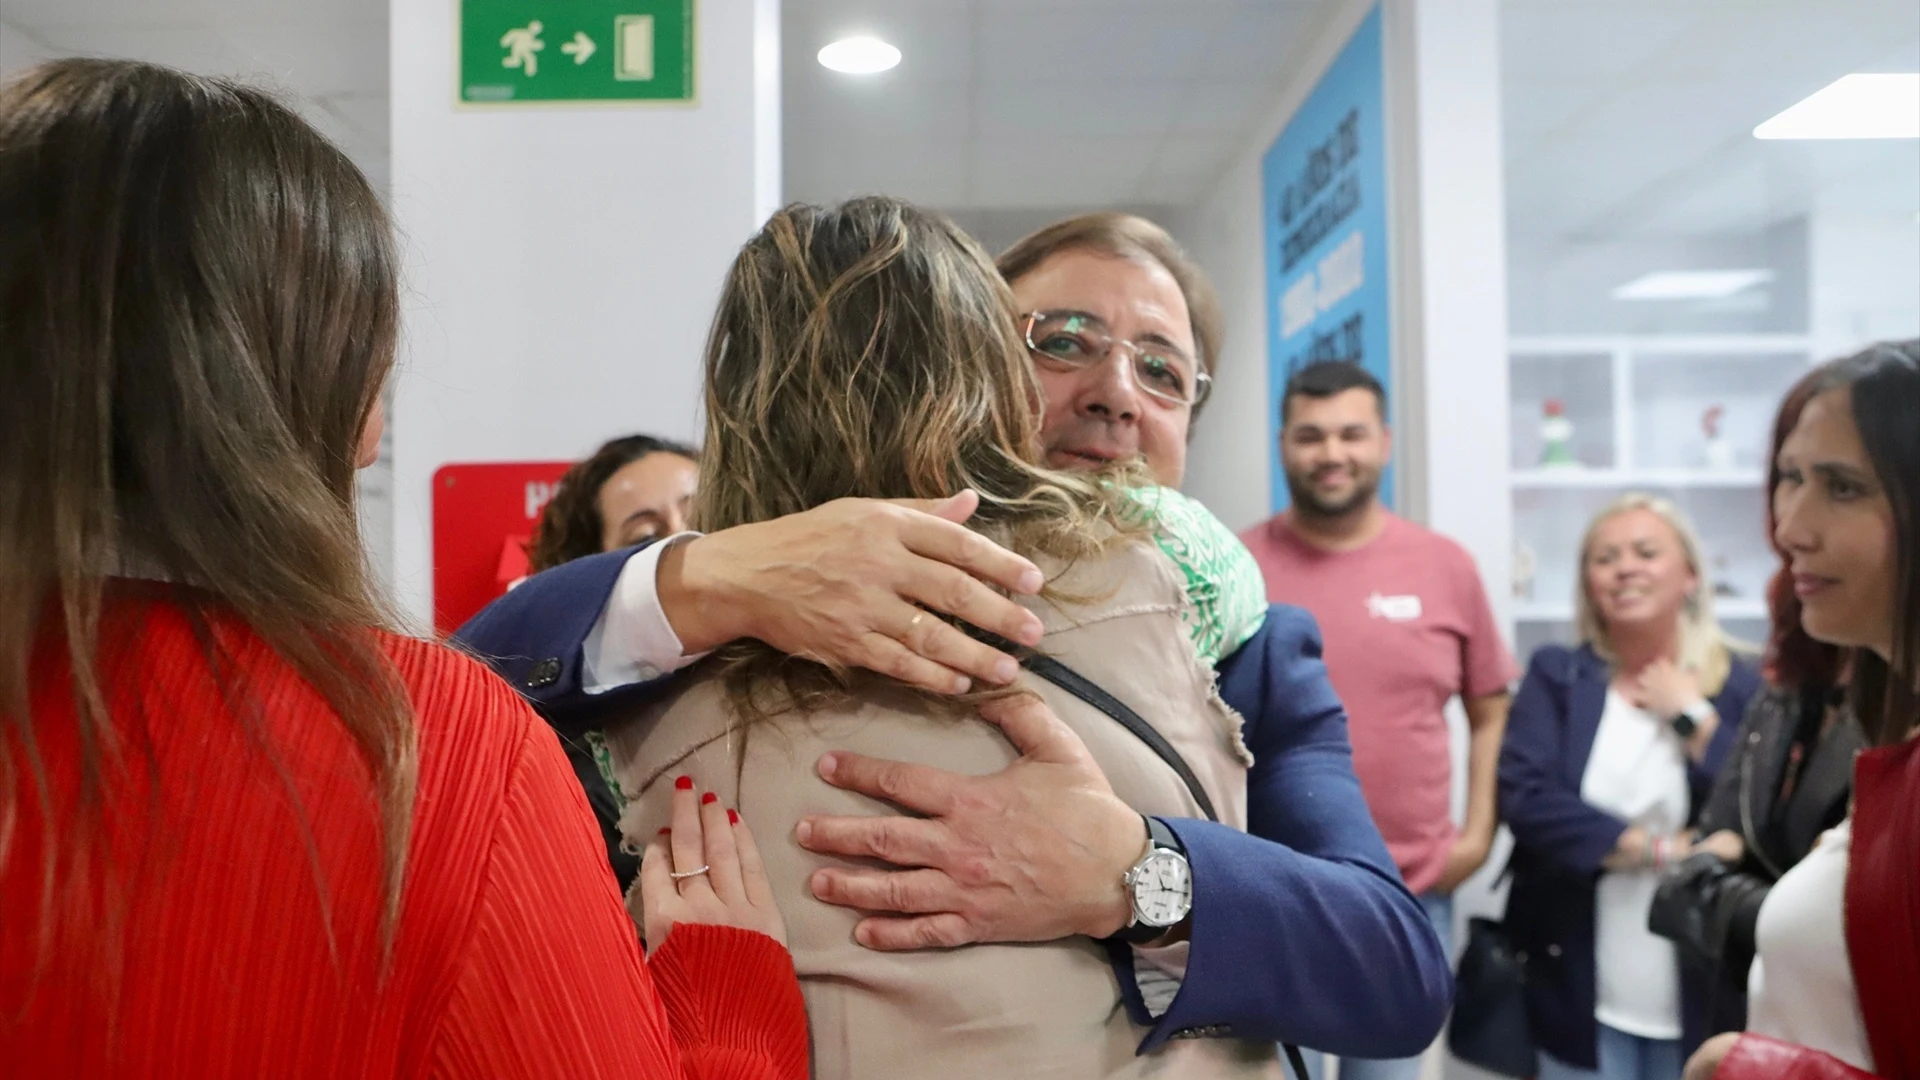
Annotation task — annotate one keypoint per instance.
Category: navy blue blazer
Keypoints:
(1301, 930)
(1559, 840)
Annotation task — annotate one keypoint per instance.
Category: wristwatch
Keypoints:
(1160, 885)
(1688, 720)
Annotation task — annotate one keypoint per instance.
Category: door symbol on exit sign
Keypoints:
(633, 48)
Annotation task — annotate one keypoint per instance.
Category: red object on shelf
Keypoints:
(483, 517)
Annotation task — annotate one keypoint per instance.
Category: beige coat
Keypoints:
(1046, 1010)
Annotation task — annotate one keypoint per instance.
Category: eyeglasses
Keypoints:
(1073, 341)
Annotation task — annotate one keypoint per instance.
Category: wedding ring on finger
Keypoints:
(689, 873)
(912, 625)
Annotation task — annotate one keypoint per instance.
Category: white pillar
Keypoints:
(1450, 259)
(563, 260)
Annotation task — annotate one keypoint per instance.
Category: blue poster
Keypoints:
(1323, 196)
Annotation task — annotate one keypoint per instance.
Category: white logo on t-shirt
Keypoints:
(1393, 608)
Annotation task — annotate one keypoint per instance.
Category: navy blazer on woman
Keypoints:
(1559, 840)
(1301, 930)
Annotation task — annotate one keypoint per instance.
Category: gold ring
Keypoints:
(916, 621)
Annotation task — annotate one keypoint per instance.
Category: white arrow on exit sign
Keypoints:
(580, 47)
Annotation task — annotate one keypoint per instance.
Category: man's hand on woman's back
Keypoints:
(845, 583)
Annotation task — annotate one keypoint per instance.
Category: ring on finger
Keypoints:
(684, 875)
(912, 625)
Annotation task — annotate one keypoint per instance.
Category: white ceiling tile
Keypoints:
(1220, 105)
(1262, 41)
(1076, 109)
(1151, 42)
(924, 171)
(874, 110)
(1053, 172)
(1605, 40)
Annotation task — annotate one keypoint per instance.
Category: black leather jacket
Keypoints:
(1788, 782)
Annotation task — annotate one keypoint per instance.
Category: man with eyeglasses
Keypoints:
(1299, 930)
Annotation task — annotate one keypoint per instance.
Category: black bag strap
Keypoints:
(1096, 695)
(1064, 677)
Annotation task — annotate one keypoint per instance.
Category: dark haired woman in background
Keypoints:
(1837, 976)
(244, 830)
(633, 489)
(1787, 783)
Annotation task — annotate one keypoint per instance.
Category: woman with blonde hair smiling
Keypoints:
(1610, 752)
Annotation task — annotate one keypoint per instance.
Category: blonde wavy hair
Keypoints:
(1705, 648)
(871, 350)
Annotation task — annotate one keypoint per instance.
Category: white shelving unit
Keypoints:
(1637, 405)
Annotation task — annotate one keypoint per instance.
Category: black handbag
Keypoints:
(1489, 1027)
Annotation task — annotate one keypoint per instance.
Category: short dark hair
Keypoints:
(570, 527)
(1327, 378)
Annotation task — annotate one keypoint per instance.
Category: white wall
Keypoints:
(1864, 280)
(563, 262)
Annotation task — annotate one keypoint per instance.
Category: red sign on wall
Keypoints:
(483, 517)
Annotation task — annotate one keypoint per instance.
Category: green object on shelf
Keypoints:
(1558, 452)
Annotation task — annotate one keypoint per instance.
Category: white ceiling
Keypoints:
(1635, 117)
(1008, 104)
(1623, 117)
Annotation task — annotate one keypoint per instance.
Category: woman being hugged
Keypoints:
(1836, 976)
(871, 350)
(244, 831)
(1611, 749)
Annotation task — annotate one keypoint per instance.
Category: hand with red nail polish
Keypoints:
(721, 880)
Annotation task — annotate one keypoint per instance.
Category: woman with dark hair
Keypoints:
(1837, 971)
(1788, 782)
(244, 830)
(633, 489)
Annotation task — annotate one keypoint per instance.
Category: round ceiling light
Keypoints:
(859, 56)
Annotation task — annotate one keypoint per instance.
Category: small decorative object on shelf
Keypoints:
(1719, 449)
(1525, 565)
(1556, 431)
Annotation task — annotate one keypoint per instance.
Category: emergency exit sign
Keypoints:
(534, 51)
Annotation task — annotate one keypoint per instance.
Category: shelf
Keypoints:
(1600, 346)
(1560, 479)
(1725, 608)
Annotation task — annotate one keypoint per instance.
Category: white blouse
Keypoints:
(1801, 987)
(1638, 772)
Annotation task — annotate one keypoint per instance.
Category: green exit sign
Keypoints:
(520, 51)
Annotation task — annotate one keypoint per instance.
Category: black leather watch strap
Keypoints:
(1162, 839)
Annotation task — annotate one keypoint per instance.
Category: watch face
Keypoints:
(1163, 890)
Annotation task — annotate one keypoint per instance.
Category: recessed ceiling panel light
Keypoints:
(859, 56)
(1854, 107)
(1691, 284)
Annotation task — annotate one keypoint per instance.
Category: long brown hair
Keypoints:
(1885, 384)
(198, 309)
(871, 350)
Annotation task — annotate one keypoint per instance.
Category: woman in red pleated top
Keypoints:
(244, 832)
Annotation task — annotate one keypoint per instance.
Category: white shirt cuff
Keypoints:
(632, 641)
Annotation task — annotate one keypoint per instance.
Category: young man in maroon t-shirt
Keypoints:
(1407, 628)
